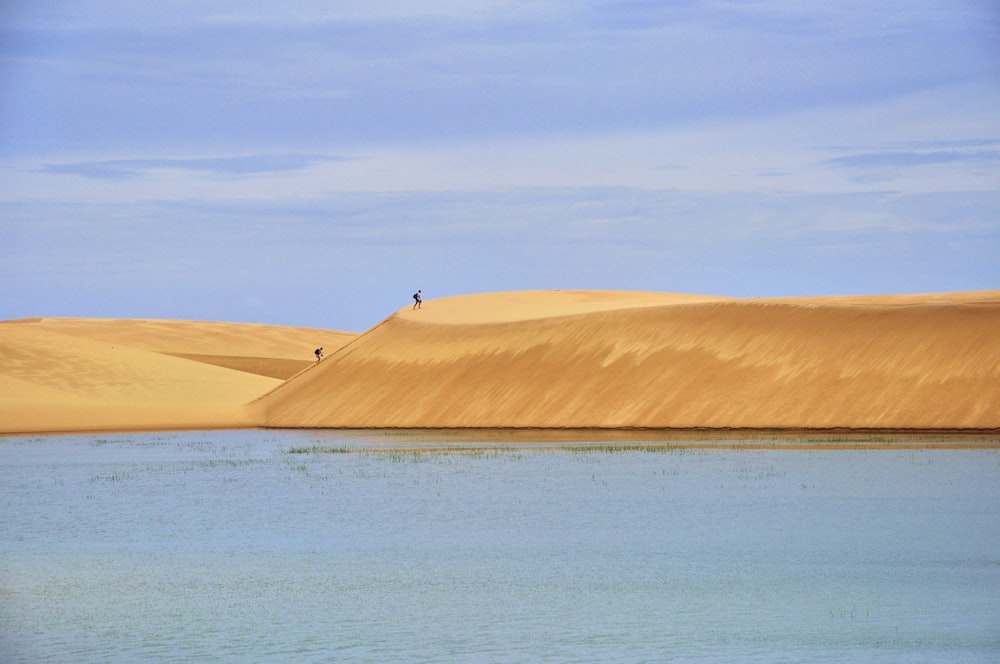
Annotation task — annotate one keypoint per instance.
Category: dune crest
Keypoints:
(608, 359)
(513, 306)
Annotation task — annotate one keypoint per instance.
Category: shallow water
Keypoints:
(224, 546)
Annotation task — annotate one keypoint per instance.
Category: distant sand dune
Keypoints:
(607, 359)
(198, 337)
(85, 374)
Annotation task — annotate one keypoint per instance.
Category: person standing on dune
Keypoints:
(319, 353)
(417, 300)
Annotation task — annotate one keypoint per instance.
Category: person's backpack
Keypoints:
(416, 296)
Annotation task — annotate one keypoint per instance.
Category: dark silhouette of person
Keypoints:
(319, 353)
(417, 300)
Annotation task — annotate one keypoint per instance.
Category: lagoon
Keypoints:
(325, 546)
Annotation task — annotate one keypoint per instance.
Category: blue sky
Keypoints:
(314, 162)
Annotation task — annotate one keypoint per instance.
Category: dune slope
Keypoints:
(604, 359)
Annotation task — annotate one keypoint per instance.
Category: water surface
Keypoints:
(226, 546)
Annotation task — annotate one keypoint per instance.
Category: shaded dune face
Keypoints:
(907, 362)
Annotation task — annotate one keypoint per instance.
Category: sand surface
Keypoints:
(63, 374)
(539, 359)
(622, 359)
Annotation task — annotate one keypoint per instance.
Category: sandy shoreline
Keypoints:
(942, 437)
(600, 361)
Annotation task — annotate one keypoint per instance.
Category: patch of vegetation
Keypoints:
(612, 448)
(113, 477)
(319, 449)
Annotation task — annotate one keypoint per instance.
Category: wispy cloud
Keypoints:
(124, 169)
(908, 158)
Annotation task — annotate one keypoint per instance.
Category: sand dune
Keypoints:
(211, 341)
(83, 374)
(546, 359)
(610, 359)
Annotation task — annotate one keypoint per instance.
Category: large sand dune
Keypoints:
(550, 359)
(613, 359)
(60, 374)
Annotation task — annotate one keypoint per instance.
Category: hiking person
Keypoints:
(417, 300)
(319, 353)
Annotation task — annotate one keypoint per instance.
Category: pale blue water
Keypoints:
(222, 546)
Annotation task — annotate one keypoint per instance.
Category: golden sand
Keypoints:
(62, 374)
(538, 359)
(610, 360)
